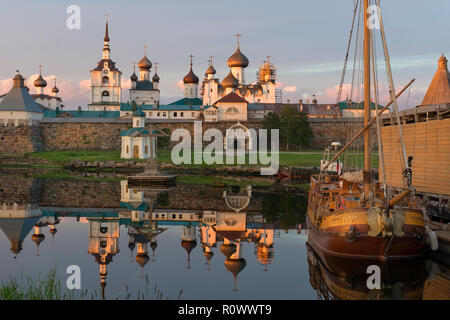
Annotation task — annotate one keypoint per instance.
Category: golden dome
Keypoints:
(227, 249)
(37, 238)
(235, 265)
(40, 82)
(142, 259)
(230, 81)
(210, 70)
(188, 245)
(145, 64)
(237, 59)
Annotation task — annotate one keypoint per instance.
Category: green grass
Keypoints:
(49, 288)
(46, 288)
(307, 159)
(82, 155)
(211, 180)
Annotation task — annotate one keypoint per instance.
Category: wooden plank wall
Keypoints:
(429, 145)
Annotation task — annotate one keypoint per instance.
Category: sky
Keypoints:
(306, 40)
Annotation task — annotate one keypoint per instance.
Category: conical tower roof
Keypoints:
(439, 90)
(18, 98)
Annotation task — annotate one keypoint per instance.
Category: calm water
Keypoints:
(192, 242)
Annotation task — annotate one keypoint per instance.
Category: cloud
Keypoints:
(401, 62)
(179, 84)
(290, 89)
(73, 93)
(409, 99)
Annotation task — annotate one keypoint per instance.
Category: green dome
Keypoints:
(139, 113)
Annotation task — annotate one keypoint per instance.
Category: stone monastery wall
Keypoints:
(104, 134)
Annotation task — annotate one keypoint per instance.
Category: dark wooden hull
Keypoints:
(341, 278)
(335, 242)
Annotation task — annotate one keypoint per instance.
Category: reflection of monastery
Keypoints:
(227, 233)
(227, 229)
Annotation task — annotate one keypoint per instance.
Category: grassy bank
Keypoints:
(307, 159)
(49, 287)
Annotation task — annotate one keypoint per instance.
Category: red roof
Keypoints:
(232, 98)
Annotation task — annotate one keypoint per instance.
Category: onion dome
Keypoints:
(230, 81)
(155, 77)
(238, 59)
(145, 64)
(134, 77)
(55, 89)
(208, 255)
(235, 265)
(190, 77)
(40, 82)
(188, 245)
(53, 231)
(131, 246)
(210, 70)
(227, 249)
(37, 238)
(153, 245)
(142, 259)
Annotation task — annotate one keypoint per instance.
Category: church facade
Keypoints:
(106, 81)
(263, 90)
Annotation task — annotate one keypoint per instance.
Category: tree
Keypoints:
(271, 121)
(295, 130)
(304, 131)
(164, 142)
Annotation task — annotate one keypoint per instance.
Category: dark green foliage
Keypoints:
(295, 131)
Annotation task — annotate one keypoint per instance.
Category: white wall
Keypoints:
(20, 117)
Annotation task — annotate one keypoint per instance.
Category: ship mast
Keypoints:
(367, 175)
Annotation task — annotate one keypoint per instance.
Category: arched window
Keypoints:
(232, 110)
(105, 80)
(128, 151)
(105, 95)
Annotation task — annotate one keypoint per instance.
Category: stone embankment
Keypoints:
(135, 166)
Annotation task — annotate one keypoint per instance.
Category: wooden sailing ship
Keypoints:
(336, 278)
(352, 215)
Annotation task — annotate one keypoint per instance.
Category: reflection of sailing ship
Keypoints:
(352, 215)
(339, 278)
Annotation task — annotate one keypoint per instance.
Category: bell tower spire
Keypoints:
(106, 48)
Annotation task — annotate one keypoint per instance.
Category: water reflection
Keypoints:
(212, 225)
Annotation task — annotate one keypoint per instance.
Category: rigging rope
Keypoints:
(341, 84)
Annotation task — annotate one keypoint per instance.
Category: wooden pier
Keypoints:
(442, 230)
